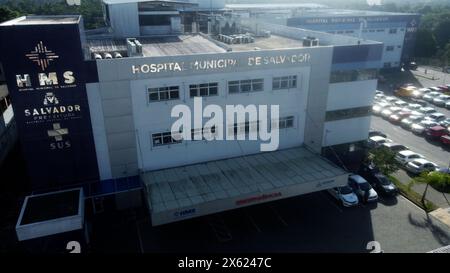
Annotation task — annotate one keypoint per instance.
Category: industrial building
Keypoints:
(94, 111)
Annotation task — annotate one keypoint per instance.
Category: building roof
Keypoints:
(112, 2)
(327, 12)
(180, 187)
(43, 20)
(274, 6)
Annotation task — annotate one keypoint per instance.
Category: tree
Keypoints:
(426, 45)
(437, 180)
(7, 14)
(441, 31)
(384, 159)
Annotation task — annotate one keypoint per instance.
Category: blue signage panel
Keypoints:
(44, 68)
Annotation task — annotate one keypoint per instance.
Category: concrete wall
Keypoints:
(155, 117)
(346, 131)
(360, 92)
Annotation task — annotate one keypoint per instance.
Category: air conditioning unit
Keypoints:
(310, 41)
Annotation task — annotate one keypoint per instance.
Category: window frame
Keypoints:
(168, 90)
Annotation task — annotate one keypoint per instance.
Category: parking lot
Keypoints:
(308, 223)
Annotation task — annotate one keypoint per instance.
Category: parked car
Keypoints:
(379, 107)
(408, 122)
(397, 117)
(447, 105)
(378, 181)
(391, 99)
(419, 101)
(394, 147)
(437, 117)
(443, 88)
(376, 133)
(445, 122)
(435, 132)
(443, 170)
(362, 188)
(379, 97)
(445, 140)
(441, 100)
(390, 111)
(435, 89)
(430, 96)
(345, 196)
(427, 110)
(414, 106)
(420, 165)
(378, 92)
(419, 93)
(403, 157)
(400, 103)
(419, 128)
(376, 141)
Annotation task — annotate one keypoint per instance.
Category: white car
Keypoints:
(419, 128)
(419, 93)
(390, 99)
(447, 105)
(400, 103)
(409, 121)
(362, 188)
(379, 97)
(377, 108)
(421, 165)
(345, 195)
(414, 106)
(437, 117)
(435, 88)
(378, 92)
(376, 141)
(427, 110)
(390, 111)
(441, 100)
(403, 157)
(431, 96)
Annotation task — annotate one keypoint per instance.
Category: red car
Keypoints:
(436, 132)
(445, 140)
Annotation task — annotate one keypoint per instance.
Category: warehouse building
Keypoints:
(94, 112)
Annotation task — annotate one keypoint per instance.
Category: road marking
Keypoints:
(278, 215)
(332, 202)
(252, 221)
(141, 245)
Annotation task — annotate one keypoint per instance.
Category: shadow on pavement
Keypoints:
(428, 223)
(388, 200)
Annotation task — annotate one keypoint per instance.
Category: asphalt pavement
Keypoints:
(308, 223)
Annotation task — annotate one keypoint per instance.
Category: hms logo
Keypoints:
(42, 56)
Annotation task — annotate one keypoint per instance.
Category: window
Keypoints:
(348, 113)
(399, 46)
(203, 131)
(353, 75)
(203, 90)
(245, 86)
(163, 93)
(372, 30)
(161, 139)
(387, 65)
(340, 32)
(349, 31)
(284, 82)
(286, 122)
(245, 127)
(389, 48)
(380, 30)
(392, 31)
(154, 20)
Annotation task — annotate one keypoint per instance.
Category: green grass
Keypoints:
(413, 196)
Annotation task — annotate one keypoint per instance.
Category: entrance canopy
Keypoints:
(195, 190)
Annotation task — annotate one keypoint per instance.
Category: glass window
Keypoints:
(163, 93)
(348, 113)
(392, 30)
(284, 82)
(244, 86)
